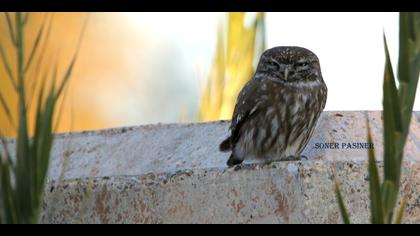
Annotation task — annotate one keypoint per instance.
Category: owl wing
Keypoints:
(249, 102)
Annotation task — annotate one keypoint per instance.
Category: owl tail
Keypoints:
(225, 145)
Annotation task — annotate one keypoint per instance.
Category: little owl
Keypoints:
(277, 110)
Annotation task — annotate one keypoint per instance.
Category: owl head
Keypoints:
(289, 64)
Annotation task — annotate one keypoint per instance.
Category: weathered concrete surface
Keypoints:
(175, 174)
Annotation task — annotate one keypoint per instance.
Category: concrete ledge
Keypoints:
(175, 174)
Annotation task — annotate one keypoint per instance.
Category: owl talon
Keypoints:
(237, 167)
(272, 164)
(233, 161)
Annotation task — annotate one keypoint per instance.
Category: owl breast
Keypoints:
(283, 124)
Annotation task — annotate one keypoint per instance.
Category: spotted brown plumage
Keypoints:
(277, 110)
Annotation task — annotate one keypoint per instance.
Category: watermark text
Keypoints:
(344, 145)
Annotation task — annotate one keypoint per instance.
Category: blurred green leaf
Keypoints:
(10, 211)
(397, 113)
(20, 199)
(392, 121)
(37, 74)
(390, 196)
(398, 105)
(6, 110)
(10, 27)
(375, 187)
(8, 68)
(392, 136)
(36, 43)
(400, 214)
(343, 210)
(70, 68)
(408, 65)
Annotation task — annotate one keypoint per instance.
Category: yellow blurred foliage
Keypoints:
(233, 66)
(105, 68)
(57, 50)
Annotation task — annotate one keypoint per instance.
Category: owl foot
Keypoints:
(271, 164)
(233, 161)
(237, 167)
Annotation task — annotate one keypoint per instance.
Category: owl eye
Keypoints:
(273, 65)
(302, 64)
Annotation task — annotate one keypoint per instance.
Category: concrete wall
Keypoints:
(174, 173)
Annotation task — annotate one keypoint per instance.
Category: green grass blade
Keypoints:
(38, 128)
(39, 137)
(374, 186)
(70, 68)
(41, 57)
(8, 197)
(6, 110)
(24, 155)
(47, 113)
(400, 214)
(390, 197)
(2, 194)
(21, 203)
(403, 63)
(61, 110)
(43, 136)
(392, 122)
(41, 133)
(47, 144)
(7, 152)
(408, 65)
(36, 44)
(26, 18)
(66, 76)
(343, 210)
(8, 68)
(10, 27)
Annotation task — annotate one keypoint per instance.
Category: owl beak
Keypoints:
(286, 74)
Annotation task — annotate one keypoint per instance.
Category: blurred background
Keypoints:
(143, 68)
